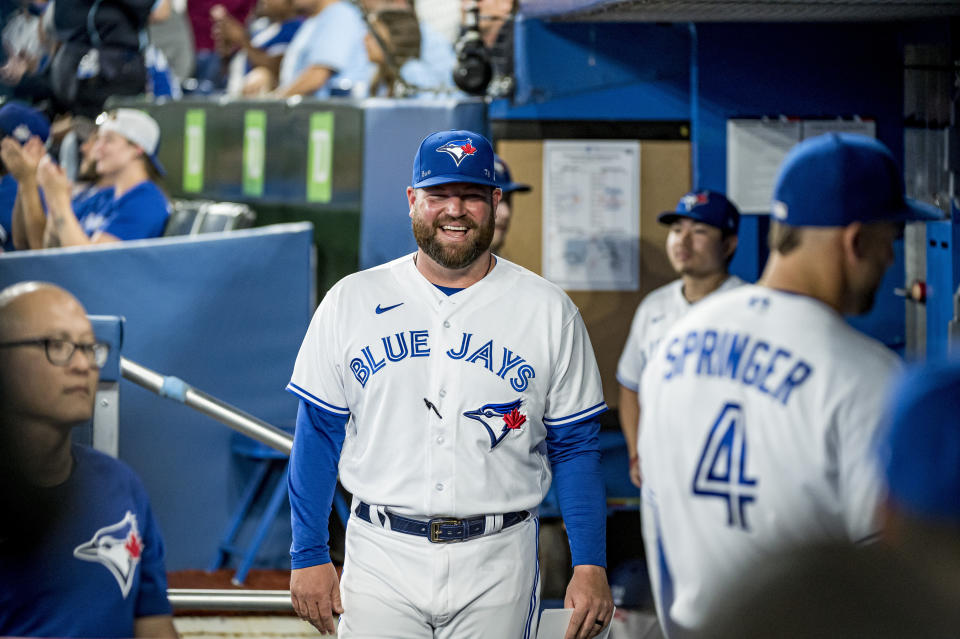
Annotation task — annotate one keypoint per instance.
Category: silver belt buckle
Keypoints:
(435, 524)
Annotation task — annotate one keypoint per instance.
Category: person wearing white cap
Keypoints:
(133, 208)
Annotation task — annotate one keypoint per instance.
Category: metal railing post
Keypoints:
(175, 388)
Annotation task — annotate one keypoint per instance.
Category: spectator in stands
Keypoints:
(19, 125)
(80, 551)
(125, 153)
(393, 45)
(210, 70)
(255, 56)
(172, 35)
(327, 55)
(162, 81)
(496, 30)
(505, 208)
(26, 48)
(100, 53)
(920, 454)
(431, 73)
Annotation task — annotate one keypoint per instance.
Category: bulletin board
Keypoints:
(664, 177)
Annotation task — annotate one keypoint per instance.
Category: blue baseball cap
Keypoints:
(501, 174)
(836, 179)
(708, 207)
(920, 450)
(454, 156)
(21, 122)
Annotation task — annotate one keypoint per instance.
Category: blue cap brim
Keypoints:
(514, 187)
(669, 217)
(155, 161)
(447, 179)
(917, 211)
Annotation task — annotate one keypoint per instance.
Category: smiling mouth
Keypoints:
(77, 390)
(455, 230)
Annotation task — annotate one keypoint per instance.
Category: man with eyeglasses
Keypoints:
(80, 552)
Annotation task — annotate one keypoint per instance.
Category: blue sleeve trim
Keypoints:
(629, 384)
(316, 401)
(583, 415)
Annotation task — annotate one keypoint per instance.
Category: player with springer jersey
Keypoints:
(700, 245)
(762, 405)
(458, 385)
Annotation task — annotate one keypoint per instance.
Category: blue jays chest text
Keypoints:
(497, 359)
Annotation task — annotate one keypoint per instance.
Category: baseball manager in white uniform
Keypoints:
(700, 244)
(762, 405)
(458, 385)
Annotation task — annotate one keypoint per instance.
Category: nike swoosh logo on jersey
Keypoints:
(656, 319)
(387, 308)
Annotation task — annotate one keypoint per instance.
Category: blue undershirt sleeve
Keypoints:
(574, 452)
(312, 481)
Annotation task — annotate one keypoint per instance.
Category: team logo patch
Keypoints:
(118, 547)
(505, 418)
(458, 149)
(694, 200)
(779, 210)
(21, 133)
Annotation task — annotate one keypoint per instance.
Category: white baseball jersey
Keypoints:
(760, 410)
(655, 315)
(450, 396)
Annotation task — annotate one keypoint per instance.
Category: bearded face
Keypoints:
(454, 223)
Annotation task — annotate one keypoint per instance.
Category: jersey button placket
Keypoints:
(442, 428)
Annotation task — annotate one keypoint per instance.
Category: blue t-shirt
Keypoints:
(8, 195)
(97, 568)
(333, 39)
(273, 38)
(139, 213)
(93, 199)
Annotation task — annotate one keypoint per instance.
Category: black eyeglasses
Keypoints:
(60, 351)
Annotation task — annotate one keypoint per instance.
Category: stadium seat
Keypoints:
(190, 217)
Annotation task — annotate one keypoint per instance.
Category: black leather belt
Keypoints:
(441, 530)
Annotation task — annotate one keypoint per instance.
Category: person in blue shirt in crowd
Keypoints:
(327, 56)
(126, 157)
(424, 57)
(19, 125)
(81, 554)
(256, 52)
(408, 43)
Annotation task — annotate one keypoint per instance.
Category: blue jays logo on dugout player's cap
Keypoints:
(836, 179)
(453, 156)
(921, 449)
(708, 207)
(21, 122)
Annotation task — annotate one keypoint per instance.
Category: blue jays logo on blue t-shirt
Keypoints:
(458, 149)
(118, 547)
(506, 416)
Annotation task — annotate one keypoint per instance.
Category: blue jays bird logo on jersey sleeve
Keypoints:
(118, 547)
(507, 416)
(458, 149)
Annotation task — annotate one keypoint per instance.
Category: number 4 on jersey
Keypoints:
(721, 472)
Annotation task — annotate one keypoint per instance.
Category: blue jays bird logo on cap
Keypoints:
(506, 416)
(458, 149)
(691, 200)
(118, 547)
